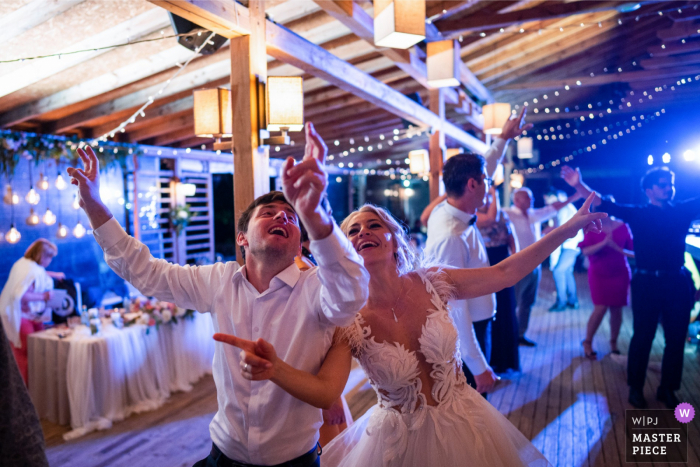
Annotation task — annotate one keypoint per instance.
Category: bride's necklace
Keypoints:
(396, 302)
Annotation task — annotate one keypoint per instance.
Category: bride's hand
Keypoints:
(258, 359)
(585, 219)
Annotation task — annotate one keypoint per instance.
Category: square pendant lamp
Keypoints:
(285, 103)
(524, 147)
(419, 161)
(399, 24)
(443, 64)
(495, 116)
(212, 113)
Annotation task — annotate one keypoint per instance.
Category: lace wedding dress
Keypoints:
(433, 419)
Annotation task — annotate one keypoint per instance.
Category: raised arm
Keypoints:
(425, 215)
(490, 217)
(259, 362)
(187, 287)
(575, 180)
(344, 279)
(514, 126)
(470, 283)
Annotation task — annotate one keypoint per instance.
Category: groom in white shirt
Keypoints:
(257, 422)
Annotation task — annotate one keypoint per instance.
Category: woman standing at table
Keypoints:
(23, 299)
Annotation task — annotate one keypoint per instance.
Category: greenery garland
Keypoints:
(15, 145)
(180, 217)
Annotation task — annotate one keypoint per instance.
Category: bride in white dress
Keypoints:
(404, 338)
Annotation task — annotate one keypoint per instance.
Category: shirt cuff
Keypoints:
(109, 234)
(330, 249)
(498, 145)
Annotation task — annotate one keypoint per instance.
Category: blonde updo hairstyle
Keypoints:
(405, 257)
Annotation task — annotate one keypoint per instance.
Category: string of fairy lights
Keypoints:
(514, 30)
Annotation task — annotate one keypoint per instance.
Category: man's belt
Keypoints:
(301, 461)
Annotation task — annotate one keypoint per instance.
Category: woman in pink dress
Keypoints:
(609, 278)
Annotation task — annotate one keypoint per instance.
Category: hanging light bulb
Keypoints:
(10, 196)
(60, 182)
(76, 203)
(33, 218)
(13, 235)
(49, 218)
(32, 197)
(43, 183)
(62, 231)
(78, 230)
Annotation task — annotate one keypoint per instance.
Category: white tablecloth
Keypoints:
(90, 381)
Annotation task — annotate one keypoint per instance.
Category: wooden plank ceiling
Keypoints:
(514, 50)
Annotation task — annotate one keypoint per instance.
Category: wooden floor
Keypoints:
(571, 408)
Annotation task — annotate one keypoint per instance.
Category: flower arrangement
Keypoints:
(17, 144)
(180, 217)
(151, 312)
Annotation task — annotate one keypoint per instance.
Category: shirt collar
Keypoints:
(289, 276)
(465, 217)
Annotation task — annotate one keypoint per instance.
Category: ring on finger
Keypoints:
(246, 367)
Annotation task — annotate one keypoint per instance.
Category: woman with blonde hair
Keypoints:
(24, 296)
(407, 344)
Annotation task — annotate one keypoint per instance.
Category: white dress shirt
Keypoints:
(453, 240)
(528, 229)
(257, 422)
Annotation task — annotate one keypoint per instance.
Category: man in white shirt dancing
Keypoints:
(454, 240)
(257, 422)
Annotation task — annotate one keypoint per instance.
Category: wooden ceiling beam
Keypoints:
(295, 50)
(665, 62)
(558, 50)
(174, 136)
(31, 15)
(624, 77)
(666, 50)
(137, 27)
(607, 40)
(361, 24)
(679, 30)
(163, 128)
(546, 11)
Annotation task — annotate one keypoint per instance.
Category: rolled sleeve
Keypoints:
(343, 277)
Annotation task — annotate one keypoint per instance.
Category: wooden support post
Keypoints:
(248, 76)
(437, 143)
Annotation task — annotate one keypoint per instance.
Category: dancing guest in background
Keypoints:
(24, 296)
(608, 277)
(527, 223)
(257, 422)
(563, 259)
(662, 288)
(407, 344)
(496, 230)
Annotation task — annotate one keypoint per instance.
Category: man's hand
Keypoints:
(585, 219)
(305, 183)
(486, 381)
(571, 176)
(87, 180)
(258, 359)
(335, 415)
(515, 126)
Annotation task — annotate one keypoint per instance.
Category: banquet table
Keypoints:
(89, 381)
